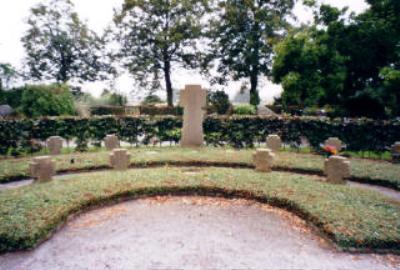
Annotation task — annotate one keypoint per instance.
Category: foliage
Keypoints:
(242, 35)
(155, 35)
(239, 131)
(113, 99)
(47, 100)
(59, 46)
(152, 99)
(12, 97)
(244, 109)
(350, 64)
(219, 100)
(160, 110)
(352, 218)
(107, 110)
(7, 75)
(311, 74)
(363, 170)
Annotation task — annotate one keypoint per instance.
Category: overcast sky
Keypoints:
(98, 13)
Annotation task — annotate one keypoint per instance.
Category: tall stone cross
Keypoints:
(193, 99)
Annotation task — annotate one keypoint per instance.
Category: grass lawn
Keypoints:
(353, 218)
(363, 170)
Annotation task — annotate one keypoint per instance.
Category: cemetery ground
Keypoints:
(352, 218)
(376, 172)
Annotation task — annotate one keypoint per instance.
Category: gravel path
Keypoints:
(189, 233)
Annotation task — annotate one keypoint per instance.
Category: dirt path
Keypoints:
(189, 233)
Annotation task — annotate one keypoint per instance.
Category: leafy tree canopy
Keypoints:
(156, 35)
(355, 61)
(7, 75)
(47, 100)
(242, 35)
(60, 47)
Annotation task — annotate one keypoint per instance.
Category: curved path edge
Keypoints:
(315, 224)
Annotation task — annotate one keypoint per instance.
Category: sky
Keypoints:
(98, 14)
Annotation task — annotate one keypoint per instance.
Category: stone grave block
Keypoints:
(111, 142)
(335, 142)
(263, 160)
(55, 144)
(193, 100)
(395, 149)
(120, 159)
(42, 169)
(337, 169)
(274, 142)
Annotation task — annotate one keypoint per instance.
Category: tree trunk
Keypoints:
(168, 84)
(254, 96)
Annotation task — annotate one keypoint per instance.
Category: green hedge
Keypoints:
(239, 132)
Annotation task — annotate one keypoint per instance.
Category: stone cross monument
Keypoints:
(193, 100)
(337, 169)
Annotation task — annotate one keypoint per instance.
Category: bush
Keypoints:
(245, 109)
(152, 99)
(239, 132)
(47, 100)
(107, 110)
(160, 110)
(219, 100)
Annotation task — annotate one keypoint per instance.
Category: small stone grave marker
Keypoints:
(263, 160)
(111, 142)
(337, 169)
(396, 152)
(274, 142)
(42, 168)
(55, 144)
(335, 142)
(120, 159)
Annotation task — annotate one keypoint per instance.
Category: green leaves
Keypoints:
(156, 35)
(60, 47)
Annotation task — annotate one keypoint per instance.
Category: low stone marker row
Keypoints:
(42, 169)
(55, 144)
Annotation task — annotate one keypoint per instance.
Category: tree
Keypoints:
(219, 100)
(47, 100)
(353, 61)
(242, 35)
(311, 73)
(113, 98)
(7, 74)
(155, 35)
(60, 47)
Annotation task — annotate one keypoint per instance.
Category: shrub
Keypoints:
(160, 110)
(239, 131)
(47, 100)
(219, 100)
(244, 109)
(152, 99)
(107, 110)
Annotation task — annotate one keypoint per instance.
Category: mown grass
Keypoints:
(363, 170)
(353, 218)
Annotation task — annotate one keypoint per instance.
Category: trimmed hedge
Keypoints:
(239, 132)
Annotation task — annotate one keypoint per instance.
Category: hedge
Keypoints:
(239, 132)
